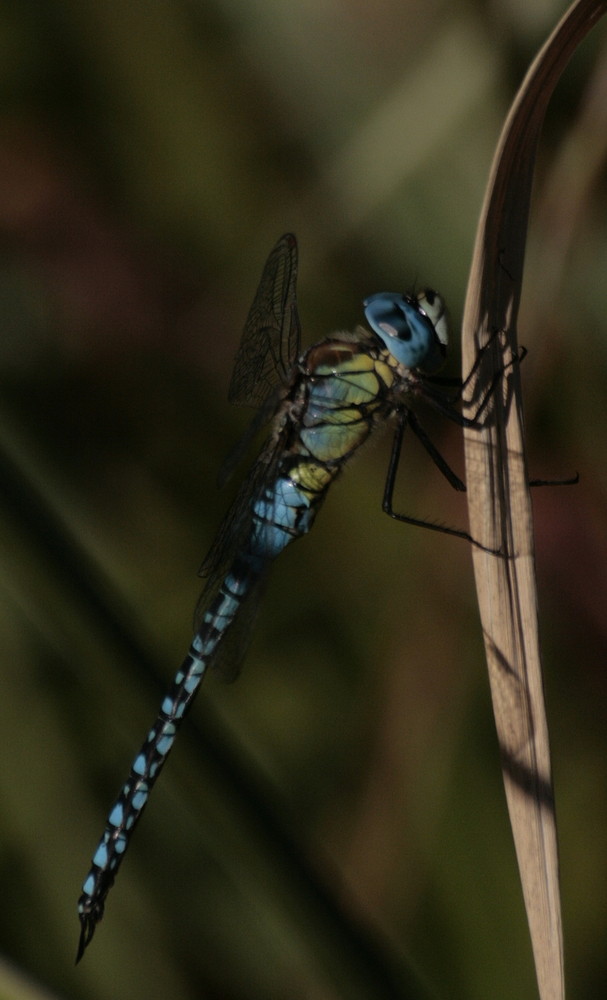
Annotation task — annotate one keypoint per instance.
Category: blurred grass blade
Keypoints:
(500, 509)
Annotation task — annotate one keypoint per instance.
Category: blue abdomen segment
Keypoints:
(281, 514)
(133, 797)
(134, 794)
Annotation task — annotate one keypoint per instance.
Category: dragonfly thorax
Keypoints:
(414, 329)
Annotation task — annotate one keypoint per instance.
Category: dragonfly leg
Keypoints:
(407, 417)
(451, 477)
(572, 481)
(520, 357)
(462, 384)
(446, 405)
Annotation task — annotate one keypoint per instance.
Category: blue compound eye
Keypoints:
(413, 330)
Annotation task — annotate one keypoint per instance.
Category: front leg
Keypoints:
(403, 418)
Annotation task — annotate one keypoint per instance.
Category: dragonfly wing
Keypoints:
(268, 350)
(271, 337)
(231, 538)
(235, 456)
(236, 525)
(232, 650)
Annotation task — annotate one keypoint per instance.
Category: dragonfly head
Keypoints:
(414, 329)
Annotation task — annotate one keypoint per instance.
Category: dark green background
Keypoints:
(150, 155)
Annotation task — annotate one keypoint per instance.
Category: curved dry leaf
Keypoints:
(499, 502)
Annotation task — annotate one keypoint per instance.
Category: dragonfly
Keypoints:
(323, 405)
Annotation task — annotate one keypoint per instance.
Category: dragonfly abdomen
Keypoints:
(148, 763)
(134, 794)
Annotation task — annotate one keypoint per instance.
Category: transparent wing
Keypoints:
(268, 348)
(231, 537)
(236, 525)
(271, 337)
(237, 453)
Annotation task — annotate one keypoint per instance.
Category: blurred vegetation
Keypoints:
(338, 812)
